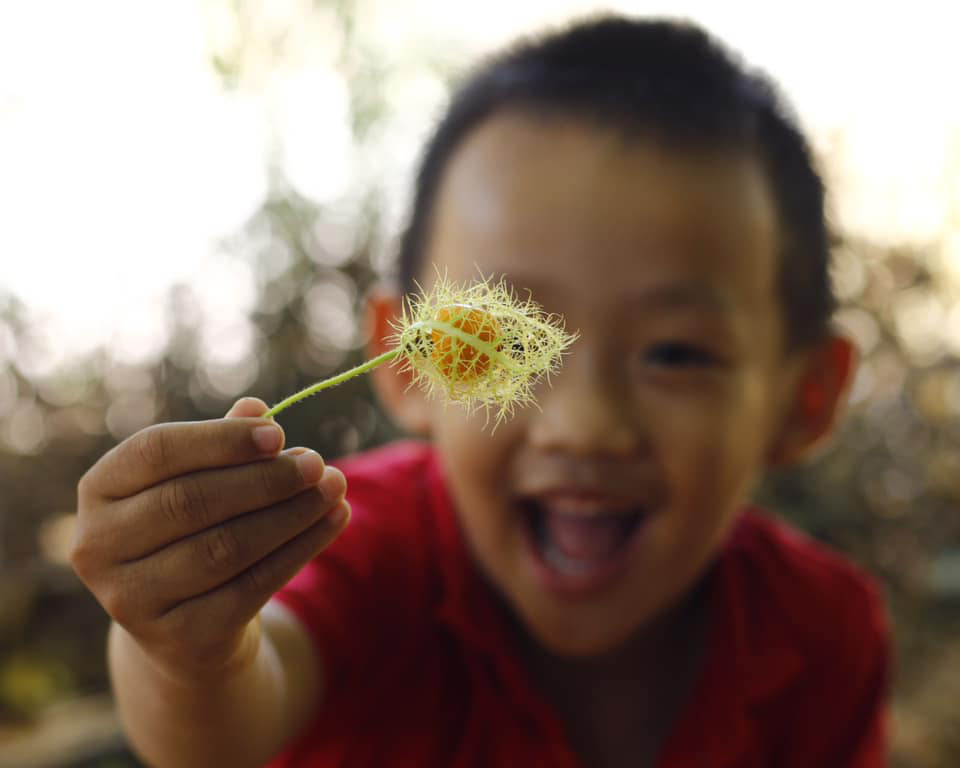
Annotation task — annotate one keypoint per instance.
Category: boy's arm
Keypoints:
(241, 718)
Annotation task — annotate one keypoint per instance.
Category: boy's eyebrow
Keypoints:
(677, 294)
(687, 293)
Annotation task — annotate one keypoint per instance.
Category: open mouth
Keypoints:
(579, 545)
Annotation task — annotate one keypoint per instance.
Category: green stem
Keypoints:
(332, 382)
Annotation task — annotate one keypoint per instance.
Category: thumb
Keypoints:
(247, 407)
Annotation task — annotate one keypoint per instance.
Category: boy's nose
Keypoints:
(583, 414)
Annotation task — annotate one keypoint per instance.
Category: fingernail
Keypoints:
(311, 467)
(334, 484)
(267, 439)
(338, 515)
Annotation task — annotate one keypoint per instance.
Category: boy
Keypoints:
(583, 586)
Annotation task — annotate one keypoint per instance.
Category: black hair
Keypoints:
(672, 79)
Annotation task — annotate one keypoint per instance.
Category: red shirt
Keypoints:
(420, 671)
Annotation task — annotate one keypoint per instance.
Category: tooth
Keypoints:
(563, 563)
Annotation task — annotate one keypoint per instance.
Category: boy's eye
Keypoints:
(674, 354)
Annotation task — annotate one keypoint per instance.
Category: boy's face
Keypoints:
(598, 511)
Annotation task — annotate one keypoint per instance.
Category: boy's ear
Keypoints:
(406, 405)
(819, 393)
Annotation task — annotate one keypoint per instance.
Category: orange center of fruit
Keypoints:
(456, 358)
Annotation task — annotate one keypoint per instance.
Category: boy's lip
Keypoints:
(583, 503)
(582, 500)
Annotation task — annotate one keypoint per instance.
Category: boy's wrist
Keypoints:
(183, 670)
(176, 713)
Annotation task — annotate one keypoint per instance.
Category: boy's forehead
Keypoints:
(566, 158)
(561, 201)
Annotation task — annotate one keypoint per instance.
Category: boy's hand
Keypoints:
(185, 530)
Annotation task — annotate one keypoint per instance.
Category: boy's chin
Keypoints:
(578, 640)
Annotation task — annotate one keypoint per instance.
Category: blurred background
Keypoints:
(196, 196)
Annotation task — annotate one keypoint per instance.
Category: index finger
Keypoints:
(165, 451)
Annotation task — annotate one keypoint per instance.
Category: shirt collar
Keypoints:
(750, 659)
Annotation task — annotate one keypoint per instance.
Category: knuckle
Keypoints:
(152, 446)
(169, 501)
(270, 479)
(257, 579)
(221, 549)
(83, 487)
(85, 554)
(90, 486)
(183, 501)
(79, 556)
(117, 604)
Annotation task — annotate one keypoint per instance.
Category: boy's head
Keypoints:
(640, 183)
(659, 80)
